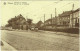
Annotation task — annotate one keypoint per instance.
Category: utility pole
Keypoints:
(55, 21)
(55, 12)
(44, 22)
(27, 26)
(26, 18)
(51, 21)
(40, 18)
(72, 14)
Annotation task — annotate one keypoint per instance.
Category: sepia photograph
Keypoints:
(39, 25)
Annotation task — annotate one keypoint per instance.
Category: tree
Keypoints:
(39, 24)
(7, 25)
(16, 21)
(29, 21)
(9, 22)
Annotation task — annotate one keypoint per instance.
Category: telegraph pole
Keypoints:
(44, 21)
(55, 21)
(55, 12)
(72, 14)
(51, 21)
(26, 24)
(26, 18)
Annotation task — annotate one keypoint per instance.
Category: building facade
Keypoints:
(74, 19)
(64, 19)
(19, 22)
(68, 19)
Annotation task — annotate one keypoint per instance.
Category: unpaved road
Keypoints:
(40, 41)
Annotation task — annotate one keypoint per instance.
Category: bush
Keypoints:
(67, 30)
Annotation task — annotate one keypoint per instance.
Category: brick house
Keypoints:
(23, 23)
(50, 22)
(74, 21)
(19, 22)
(64, 19)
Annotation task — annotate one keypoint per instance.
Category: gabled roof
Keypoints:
(20, 16)
(77, 10)
(48, 20)
(66, 13)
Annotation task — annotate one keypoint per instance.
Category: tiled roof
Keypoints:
(48, 20)
(77, 10)
(66, 13)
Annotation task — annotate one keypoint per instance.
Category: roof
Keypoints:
(66, 13)
(77, 10)
(48, 20)
(20, 16)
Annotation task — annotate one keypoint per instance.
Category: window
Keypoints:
(78, 20)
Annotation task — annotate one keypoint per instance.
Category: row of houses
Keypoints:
(68, 19)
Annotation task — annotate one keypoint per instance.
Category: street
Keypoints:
(30, 40)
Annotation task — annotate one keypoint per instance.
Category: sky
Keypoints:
(34, 10)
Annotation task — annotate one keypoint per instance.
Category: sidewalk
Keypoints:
(51, 32)
(61, 33)
(7, 47)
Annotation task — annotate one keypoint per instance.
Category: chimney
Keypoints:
(20, 15)
(15, 16)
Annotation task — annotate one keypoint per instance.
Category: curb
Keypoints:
(7, 47)
(61, 33)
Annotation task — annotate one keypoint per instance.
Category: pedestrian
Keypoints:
(2, 43)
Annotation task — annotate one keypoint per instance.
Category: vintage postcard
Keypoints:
(39, 25)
